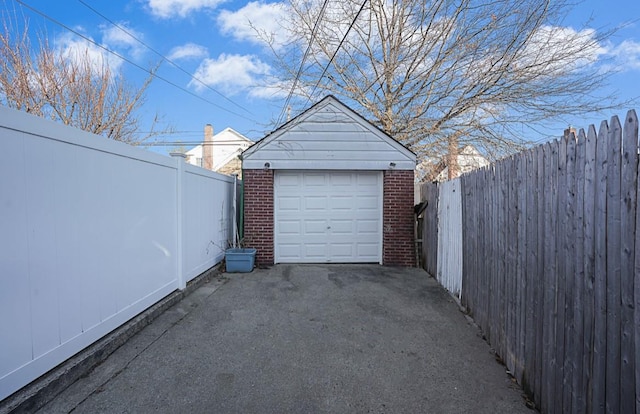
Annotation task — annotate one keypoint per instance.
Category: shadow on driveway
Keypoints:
(304, 339)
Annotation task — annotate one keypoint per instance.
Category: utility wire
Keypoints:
(128, 33)
(336, 51)
(183, 143)
(155, 75)
(304, 58)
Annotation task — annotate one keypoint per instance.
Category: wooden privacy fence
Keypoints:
(551, 250)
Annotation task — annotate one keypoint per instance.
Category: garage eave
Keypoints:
(344, 165)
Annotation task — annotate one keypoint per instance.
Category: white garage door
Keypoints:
(328, 217)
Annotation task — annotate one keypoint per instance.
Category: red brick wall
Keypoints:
(398, 240)
(258, 213)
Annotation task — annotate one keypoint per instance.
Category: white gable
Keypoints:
(329, 136)
(227, 144)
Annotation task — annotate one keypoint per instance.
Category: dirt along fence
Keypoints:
(550, 250)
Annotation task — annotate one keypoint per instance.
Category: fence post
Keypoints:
(180, 162)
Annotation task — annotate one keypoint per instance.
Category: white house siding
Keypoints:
(226, 144)
(330, 137)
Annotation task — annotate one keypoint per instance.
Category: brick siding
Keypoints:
(398, 237)
(258, 213)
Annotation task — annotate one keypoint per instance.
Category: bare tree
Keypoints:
(439, 74)
(73, 88)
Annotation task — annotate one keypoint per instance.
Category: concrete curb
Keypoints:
(42, 390)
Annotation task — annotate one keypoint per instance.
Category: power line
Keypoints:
(304, 58)
(155, 75)
(161, 55)
(336, 51)
(189, 143)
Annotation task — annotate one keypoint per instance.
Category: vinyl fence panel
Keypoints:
(91, 234)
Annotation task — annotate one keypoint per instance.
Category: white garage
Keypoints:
(329, 187)
(328, 216)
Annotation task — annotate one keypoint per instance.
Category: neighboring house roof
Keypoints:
(469, 158)
(227, 144)
(329, 135)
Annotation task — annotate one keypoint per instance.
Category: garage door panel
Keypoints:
(315, 203)
(344, 202)
(341, 227)
(341, 178)
(368, 250)
(314, 179)
(366, 180)
(341, 252)
(328, 217)
(314, 227)
(315, 251)
(367, 227)
(367, 202)
(290, 227)
(289, 252)
(289, 203)
(288, 180)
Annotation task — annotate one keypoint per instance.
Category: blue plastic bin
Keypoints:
(240, 260)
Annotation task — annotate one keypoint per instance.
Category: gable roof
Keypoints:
(236, 136)
(329, 135)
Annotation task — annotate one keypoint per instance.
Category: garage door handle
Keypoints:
(328, 227)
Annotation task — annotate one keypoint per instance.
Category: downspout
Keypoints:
(235, 211)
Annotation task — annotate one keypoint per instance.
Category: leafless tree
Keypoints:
(73, 88)
(439, 74)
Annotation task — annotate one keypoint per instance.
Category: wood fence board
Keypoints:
(509, 262)
(548, 339)
(468, 235)
(493, 219)
(522, 288)
(561, 215)
(613, 267)
(577, 384)
(483, 294)
(589, 264)
(629, 174)
(502, 276)
(516, 286)
(539, 379)
(568, 275)
(600, 283)
(528, 213)
(636, 289)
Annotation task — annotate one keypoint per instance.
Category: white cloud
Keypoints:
(188, 51)
(179, 8)
(77, 49)
(270, 88)
(256, 22)
(114, 37)
(626, 55)
(232, 73)
(557, 50)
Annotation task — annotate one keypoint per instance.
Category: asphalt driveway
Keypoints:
(303, 339)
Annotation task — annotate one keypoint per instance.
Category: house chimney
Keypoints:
(569, 131)
(207, 148)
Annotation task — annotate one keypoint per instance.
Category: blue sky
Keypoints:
(210, 39)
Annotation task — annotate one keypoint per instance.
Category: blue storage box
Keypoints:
(240, 260)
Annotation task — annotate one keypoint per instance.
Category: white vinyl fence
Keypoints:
(449, 261)
(92, 232)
